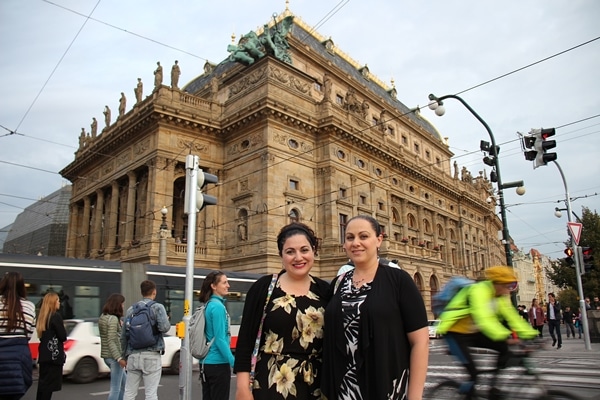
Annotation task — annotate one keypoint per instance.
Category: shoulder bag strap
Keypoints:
(257, 343)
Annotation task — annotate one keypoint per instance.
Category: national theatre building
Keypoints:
(294, 129)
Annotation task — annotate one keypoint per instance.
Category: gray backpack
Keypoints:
(199, 345)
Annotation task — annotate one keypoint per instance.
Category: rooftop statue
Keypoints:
(251, 47)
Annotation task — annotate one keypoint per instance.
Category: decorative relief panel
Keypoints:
(124, 158)
(141, 146)
(289, 80)
(327, 171)
(247, 81)
(193, 145)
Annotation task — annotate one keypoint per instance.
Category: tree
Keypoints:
(564, 276)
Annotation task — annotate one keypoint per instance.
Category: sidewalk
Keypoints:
(572, 348)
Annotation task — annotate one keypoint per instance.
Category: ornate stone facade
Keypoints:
(318, 140)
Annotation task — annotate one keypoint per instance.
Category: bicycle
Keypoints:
(527, 384)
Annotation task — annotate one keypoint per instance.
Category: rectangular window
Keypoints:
(427, 154)
(404, 140)
(339, 100)
(380, 205)
(362, 199)
(294, 184)
(343, 193)
(417, 148)
(374, 121)
(317, 86)
(391, 131)
(343, 221)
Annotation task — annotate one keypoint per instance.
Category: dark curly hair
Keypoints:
(297, 228)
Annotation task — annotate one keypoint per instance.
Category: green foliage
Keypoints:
(569, 297)
(564, 276)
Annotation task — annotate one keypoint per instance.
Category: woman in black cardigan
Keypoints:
(52, 334)
(376, 342)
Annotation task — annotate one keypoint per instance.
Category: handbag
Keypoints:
(254, 357)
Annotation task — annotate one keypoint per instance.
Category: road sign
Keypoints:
(575, 229)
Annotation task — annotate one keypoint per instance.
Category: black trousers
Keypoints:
(216, 381)
(459, 344)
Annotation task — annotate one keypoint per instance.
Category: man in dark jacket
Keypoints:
(568, 320)
(553, 316)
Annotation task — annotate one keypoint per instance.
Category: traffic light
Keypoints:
(588, 258)
(196, 186)
(569, 258)
(538, 144)
(201, 198)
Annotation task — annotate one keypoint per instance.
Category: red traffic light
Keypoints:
(569, 252)
(546, 133)
(587, 251)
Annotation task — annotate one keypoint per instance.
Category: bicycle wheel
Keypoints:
(559, 395)
(446, 390)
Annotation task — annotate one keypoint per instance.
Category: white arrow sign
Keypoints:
(575, 229)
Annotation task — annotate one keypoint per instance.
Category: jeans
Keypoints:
(570, 329)
(117, 379)
(144, 365)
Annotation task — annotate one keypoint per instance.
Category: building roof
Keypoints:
(317, 43)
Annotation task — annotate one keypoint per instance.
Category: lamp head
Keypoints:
(440, 110)
(164, 211)
(557, 213)
(520, 190)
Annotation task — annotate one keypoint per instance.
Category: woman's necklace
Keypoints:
(357, 282)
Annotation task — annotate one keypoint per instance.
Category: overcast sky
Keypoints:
(59, 68)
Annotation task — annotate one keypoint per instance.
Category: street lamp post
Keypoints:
(164, 234)
(437, 105)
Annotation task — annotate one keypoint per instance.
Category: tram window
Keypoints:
(86, 307)
(87, 291)
(235, 310)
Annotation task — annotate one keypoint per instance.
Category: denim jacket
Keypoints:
(162, 323)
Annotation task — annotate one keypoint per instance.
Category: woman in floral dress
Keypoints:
(289, 355)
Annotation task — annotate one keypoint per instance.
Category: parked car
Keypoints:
(82, 347)
(433, 324)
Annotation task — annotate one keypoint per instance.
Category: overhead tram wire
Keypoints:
(397, 117)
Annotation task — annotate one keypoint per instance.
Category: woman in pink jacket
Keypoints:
(536, 316)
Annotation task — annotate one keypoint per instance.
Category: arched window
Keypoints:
(440, 230)
(395, 216)
(412, 222)
(419, 281)
(294, 215)
(426, 226)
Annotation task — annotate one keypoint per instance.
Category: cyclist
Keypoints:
(482, 315)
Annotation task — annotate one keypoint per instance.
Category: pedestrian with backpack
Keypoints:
(142, 343)
(215, 368)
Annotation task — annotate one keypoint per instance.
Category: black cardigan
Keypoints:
(52, 350)
(393, 307)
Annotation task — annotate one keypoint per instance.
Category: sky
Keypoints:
(519, 64)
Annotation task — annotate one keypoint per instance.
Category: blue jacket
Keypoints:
(217, 326)
(15, 366)
(162, 323)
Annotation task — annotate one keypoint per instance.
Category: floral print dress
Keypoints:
(289, 358)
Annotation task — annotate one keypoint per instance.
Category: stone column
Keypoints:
(85, 228)
(98, 221)
(72, 231)
(130, 213)
(113, 218)
(404, 218)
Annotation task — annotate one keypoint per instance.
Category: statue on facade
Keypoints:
(139, 91)
(251, 47)
(326, 87)
(455, 170)
(106, 113)
(94, 127)
(351, 102)
(175, 72)
(122, 104)
(82, 139)
(158, 75)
